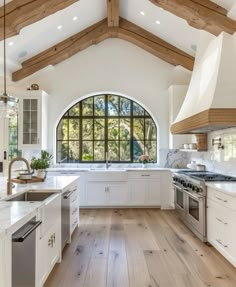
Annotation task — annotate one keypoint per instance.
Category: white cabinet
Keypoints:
(221, 221)
(107, 193)
(49, 239)
(74, 207)
(145, 188)
(5, 261)
(49, 253)
(33, 120)
(96, 194)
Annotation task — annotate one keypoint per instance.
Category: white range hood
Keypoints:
(210, 102)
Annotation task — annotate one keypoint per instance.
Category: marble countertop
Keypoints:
(225, 187)
(52, 183)
(102, 169)
(14, 214)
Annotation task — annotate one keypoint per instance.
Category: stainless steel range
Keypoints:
(190, 197)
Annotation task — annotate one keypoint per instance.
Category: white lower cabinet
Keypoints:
(49, 240)
(221, 222)
(106, 193)
(145, 188)
(5, 261)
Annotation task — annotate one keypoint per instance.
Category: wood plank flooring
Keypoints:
(138, 248)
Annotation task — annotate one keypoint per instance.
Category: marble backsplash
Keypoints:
(218, 159)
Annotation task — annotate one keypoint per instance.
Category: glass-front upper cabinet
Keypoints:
(33, 120)
(30, 121)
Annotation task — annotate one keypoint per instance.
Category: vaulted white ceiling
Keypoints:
(45, 33)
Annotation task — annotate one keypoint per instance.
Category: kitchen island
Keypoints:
(47, 212)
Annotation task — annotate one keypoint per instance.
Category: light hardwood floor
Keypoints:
(138, 248)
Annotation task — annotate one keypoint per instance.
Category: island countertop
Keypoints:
(14, 214)
(52, 183)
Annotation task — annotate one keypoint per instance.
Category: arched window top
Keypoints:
(106, 123)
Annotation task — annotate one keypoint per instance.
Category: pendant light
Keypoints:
(8, 104)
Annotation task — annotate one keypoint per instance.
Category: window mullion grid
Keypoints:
(131, 133)
(93, 128)
(106, 137)
(68, 131)
(106, 126)
(80, 132)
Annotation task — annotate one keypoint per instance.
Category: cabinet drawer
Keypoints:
(74, 210)
(220, 229)
(144, 175)
(74, 222)
(74, 198)
(222, 198)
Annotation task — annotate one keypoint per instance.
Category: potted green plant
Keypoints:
(145, 159)
(41, 164)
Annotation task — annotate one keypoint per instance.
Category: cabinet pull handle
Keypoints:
(221, 199)
(74, 199)
(74, 211)
(145, 175)
(219, 241)
(225, 223)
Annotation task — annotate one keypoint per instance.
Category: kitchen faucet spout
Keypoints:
(107, 161)
(9, 182)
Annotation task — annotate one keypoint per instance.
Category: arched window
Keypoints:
(106, 123)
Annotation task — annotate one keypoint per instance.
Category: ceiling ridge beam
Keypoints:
(98, 33)
(21, 13)
(154, 45)
(203, 15)
(131, 27)
(113, 13)
(212, 6)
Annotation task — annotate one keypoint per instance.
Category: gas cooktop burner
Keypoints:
(209, 176)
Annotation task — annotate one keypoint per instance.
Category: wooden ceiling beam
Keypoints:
(200, 14)
(64, 50)
(21, 13)
(154, 45)
(97, 33)
(113, 13)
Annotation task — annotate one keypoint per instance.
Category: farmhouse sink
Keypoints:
(31, 196)
(107, 169)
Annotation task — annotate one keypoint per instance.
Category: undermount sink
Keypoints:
(31, 196)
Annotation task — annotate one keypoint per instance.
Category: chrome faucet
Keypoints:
(9, 183)
(107, 161)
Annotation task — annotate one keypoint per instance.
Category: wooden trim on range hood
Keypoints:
(206, 121)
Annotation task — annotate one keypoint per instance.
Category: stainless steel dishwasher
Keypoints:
(65, 217)
(23, 254)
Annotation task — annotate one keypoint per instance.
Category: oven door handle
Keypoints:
(197, 197)
(178, 187)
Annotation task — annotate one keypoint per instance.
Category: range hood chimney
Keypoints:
(210, 102)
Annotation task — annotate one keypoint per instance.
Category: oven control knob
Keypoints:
(190, 185)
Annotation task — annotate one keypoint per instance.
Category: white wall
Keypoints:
(115, 66)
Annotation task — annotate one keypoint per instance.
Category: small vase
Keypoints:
(41, 173)
(144, 165)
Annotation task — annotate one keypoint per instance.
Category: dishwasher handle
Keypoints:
(22, 238)
(66, 195)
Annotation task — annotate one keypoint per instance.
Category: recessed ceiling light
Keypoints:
(11, 43)
(75, 18)
(158, 22)
(161, 8)
(142, 13)
(22, 54)
(59, 27)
